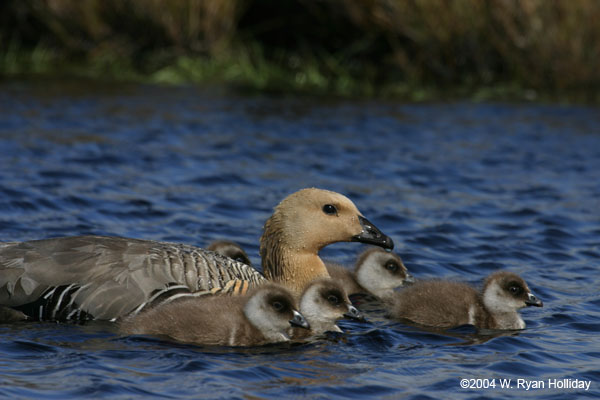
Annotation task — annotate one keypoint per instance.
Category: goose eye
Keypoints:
(329, 209)
(333, 299)
(392, 266)
(515, 289)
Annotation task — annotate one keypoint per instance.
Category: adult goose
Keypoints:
(97, 277)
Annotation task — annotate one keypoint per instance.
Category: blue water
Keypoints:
(463, 189)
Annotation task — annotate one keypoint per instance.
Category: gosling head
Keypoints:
(229, 249)
(324, 302)
(505, 292)
(380, 272)
(270, 308)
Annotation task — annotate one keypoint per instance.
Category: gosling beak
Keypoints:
(409, 280)
(371, 235)
(533, 301)
(353, 313)
(299, 321)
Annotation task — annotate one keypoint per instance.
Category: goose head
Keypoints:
(301, 225)
(312, 218)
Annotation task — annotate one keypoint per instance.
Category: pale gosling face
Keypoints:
(507, 292)
(504, 294)
(271, 309)
(380, 272)
(323, 303)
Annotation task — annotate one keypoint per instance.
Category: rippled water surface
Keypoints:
(462, 189)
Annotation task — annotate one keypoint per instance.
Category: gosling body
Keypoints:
(264, 316)
(448, 304)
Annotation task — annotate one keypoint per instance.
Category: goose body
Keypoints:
(261, 317)
(84, 277)
(448, 304)
(98, 277)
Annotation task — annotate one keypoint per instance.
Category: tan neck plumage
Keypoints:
(299, 269)
(293, 269)
(286, 260)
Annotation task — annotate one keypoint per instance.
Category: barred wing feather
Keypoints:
(108, 277)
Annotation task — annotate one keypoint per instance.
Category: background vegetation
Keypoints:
(414, 49)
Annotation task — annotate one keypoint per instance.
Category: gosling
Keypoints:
(447, 304)
(261, 317)
(376, 272)
(229, 249)
(323, 303)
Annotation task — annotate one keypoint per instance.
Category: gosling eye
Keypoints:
(278, 306)
(330, 209)
(333, 299)
(241, 258)
(516, 290)
(392, 266)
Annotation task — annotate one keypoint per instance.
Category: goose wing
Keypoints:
(108, 277)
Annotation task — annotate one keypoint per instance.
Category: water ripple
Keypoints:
(463, 189)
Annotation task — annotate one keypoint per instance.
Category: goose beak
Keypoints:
(409, 280)
(371, 235)
(533, 301)
(353, 313)
(299, 321)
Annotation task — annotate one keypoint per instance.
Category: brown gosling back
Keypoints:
(261, 317)
(448, 304)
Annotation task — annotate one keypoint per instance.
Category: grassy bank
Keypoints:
(418, 49)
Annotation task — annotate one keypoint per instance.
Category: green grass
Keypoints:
(420, 50)
(249, 71)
